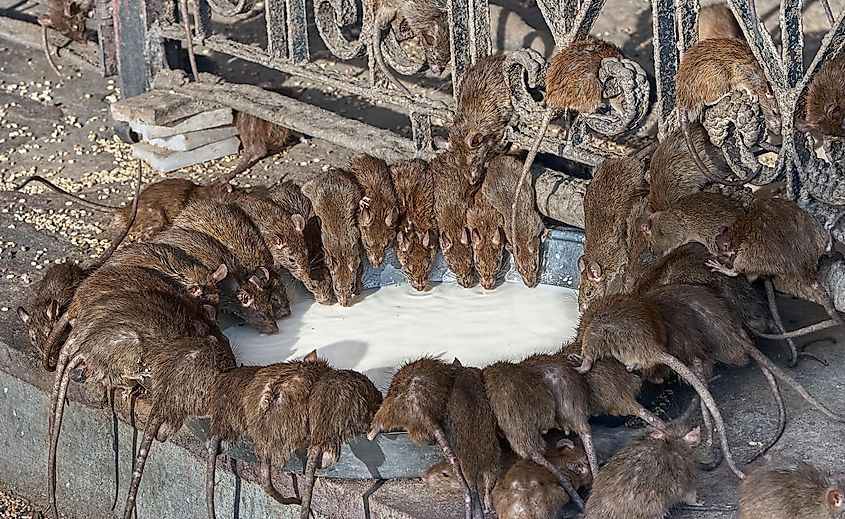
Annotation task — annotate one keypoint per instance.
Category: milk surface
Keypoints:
(391, 325)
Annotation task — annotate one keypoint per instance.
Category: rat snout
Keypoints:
(345, 300)
(530, 279)
(419, 284)
(488, 283)
(467, 281)
(271, 328)
(375, 259)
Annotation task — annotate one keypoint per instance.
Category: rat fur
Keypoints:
(788, 489)
(378, 213)
(416, 240)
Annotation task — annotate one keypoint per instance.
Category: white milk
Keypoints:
(391, 325)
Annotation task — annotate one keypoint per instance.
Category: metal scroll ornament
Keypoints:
(227, 8)
(626, 79)
(331, 17)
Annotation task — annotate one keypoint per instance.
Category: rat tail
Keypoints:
(378, 52)
(449, 454)
(211, 470)
(824, 325)
(773, 383)
(150, 432)
(87, 203)
(764, 361)
(189, 38)
(115, 430)
(684, 118)
(46, 46)
(52, 341)
(267, 484)
(314, 455)
(64, 379)
(773, 309)
(129, 222)
(541, 460)
(690, 378)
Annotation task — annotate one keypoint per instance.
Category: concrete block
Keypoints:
(193, 140)
(200, 121)
(167, 160)
(159, 107)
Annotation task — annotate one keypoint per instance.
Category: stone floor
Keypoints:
(61, 129)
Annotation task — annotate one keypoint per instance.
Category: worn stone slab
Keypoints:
(200, 121)
(167, 160)
(159, 107)
(193, 140)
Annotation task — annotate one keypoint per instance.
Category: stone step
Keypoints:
(159, 108)
(193, 140)
(165, 160)
(200, 121)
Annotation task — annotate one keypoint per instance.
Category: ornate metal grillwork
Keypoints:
(734, 123)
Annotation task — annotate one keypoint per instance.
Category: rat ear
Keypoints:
(311, 357)
(440, 143)
(403, 244)
(210, 311)
(594, 271)
(352, 266)
(582, 263)
(565, 443)
(643, 223)
(226, 187)
(445, 242)
(194, 290)
(278, 242)
(220, 274)
(693, 437)
(457, 363)
(498, 236)
(53, 309)
(45, 21)
(298, 222)
(429, 38)
(465, 236)
(24, 315)
(392, 217)
(365, 216)
(429, 239)
(474, 138)
(655, 433)
(255, 281)
(832, 110)
(836, 498)
(263, 275)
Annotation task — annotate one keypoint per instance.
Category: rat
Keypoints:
(67, 17)
(617, 185)
(418, 401)
(341, 406)
(572, 83)
(336, 199)
(632, 330)
(789, 252)
(487, 235)
(453, 195)
(792, 489)
(470, 428)
(427, 20)
(613, 390)
(228, 420)
(276, 410)
(378, 211)
(524, 227)
(672, 171)
(260, 138)
(181, 377)
(525, 410)
(158, 204)
(824, 100)
(647, 477)
(571, 394)
(709, 70)
(230, 225)
(416, 240)
(483, 113)
(698, 217)
(717, 21)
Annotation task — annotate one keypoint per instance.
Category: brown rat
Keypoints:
(419, 400)
(524, 228)
(824, 100)
(487, 235)
(789, 252)
(483, 113)
(698, 217)
(571, 393)
(572, 83)
(341, 406)
(228, 420)
(470, 428)
(378, 212)
(416, 240)
(710, 69)
(181, 377)
(230, 225)
(453, 195)
(525, 410)
(632, 330)
(717, 21)
(791, 489)
(276, 409)
(336, 199)
(260, 138)
(647, 477)
(67, 17)
(616, 186)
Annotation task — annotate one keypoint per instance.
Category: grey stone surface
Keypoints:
(159, 108)
(165, 160)
(201, 121)
(193, 140)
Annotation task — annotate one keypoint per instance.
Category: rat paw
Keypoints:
(715, 266)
